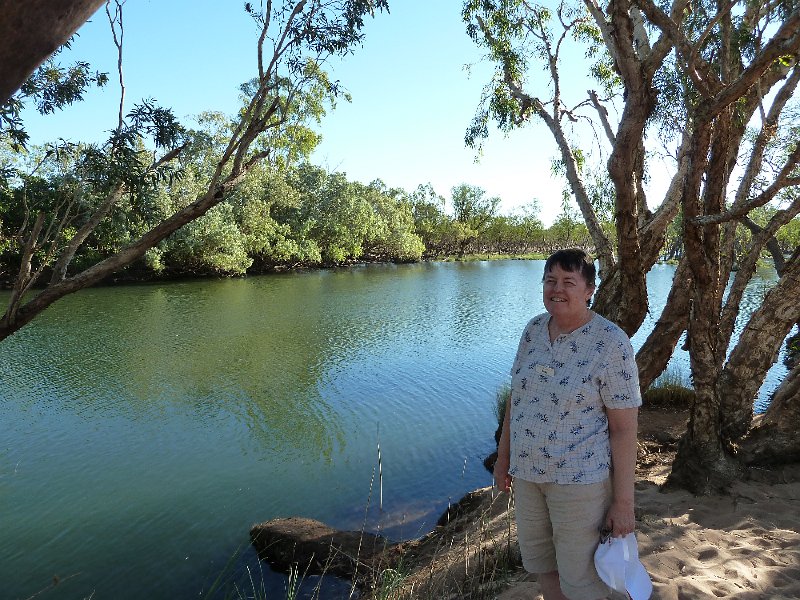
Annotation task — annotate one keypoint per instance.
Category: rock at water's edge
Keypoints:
(309, 543)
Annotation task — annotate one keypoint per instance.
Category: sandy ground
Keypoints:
(745, 545)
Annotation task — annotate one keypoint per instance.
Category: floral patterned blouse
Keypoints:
(559, 393)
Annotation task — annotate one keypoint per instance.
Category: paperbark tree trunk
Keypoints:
(757, 349)
(653, 356)
(774, 439)
(702, 464)
(625, 169)
(32, 30)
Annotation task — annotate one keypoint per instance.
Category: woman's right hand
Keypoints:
(501, 477)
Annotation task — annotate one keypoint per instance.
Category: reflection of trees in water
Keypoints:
(207, 348)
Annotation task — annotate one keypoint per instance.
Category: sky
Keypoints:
(415, 84)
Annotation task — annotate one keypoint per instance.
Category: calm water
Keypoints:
(145, 428)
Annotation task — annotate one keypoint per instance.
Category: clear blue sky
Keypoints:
(412, 98)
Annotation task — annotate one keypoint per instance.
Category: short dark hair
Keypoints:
(572, 259)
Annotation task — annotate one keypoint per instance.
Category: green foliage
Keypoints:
(393, 228)
(296, 140)
(520, 38)
(427, 211)
(51, 87)
(470, 206)
(210, 244)
(284, 213)
(278, 217)
(788, 236)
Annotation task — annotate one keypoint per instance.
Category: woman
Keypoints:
(569, 434)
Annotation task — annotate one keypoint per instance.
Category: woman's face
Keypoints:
(565, 294)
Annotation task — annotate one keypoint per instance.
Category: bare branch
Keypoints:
(262, 37)
(698, 69)
(603, 114)
(281, 46)
(23, 279)
(771, 243)
(60, 268)
(768, 130)
(115, 22)
(713, 23)
(605, 29)
(169, 156)
(664, 43)
(628, 62)
(757, 348)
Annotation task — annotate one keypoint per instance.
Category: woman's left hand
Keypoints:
(620, 518)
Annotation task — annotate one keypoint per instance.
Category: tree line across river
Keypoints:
(303, 216)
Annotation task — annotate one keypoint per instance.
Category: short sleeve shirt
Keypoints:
(559, 393)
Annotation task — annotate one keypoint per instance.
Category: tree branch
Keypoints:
(713, 23)
(768, 130)
(771, 243)
(31, 31)
(60, 268)
(113, 22)
(786, 41)
(24, 275)
(605, 29)
(603, 114)
(697, 69)
(664, 44)
(783, 180)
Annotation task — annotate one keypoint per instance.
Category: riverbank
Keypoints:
(744, 545)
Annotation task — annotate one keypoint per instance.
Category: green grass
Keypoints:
(671, 389)
(501, 402)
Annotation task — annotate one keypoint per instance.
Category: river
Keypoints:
(146, 428)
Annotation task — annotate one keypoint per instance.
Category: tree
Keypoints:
(393, 236)
(295, 39)
(472, 212)
(431, 223)
(696, 77)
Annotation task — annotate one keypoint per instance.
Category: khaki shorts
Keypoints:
(558, 530)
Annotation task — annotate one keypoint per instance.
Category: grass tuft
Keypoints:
(671, 390)
(501, 402)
